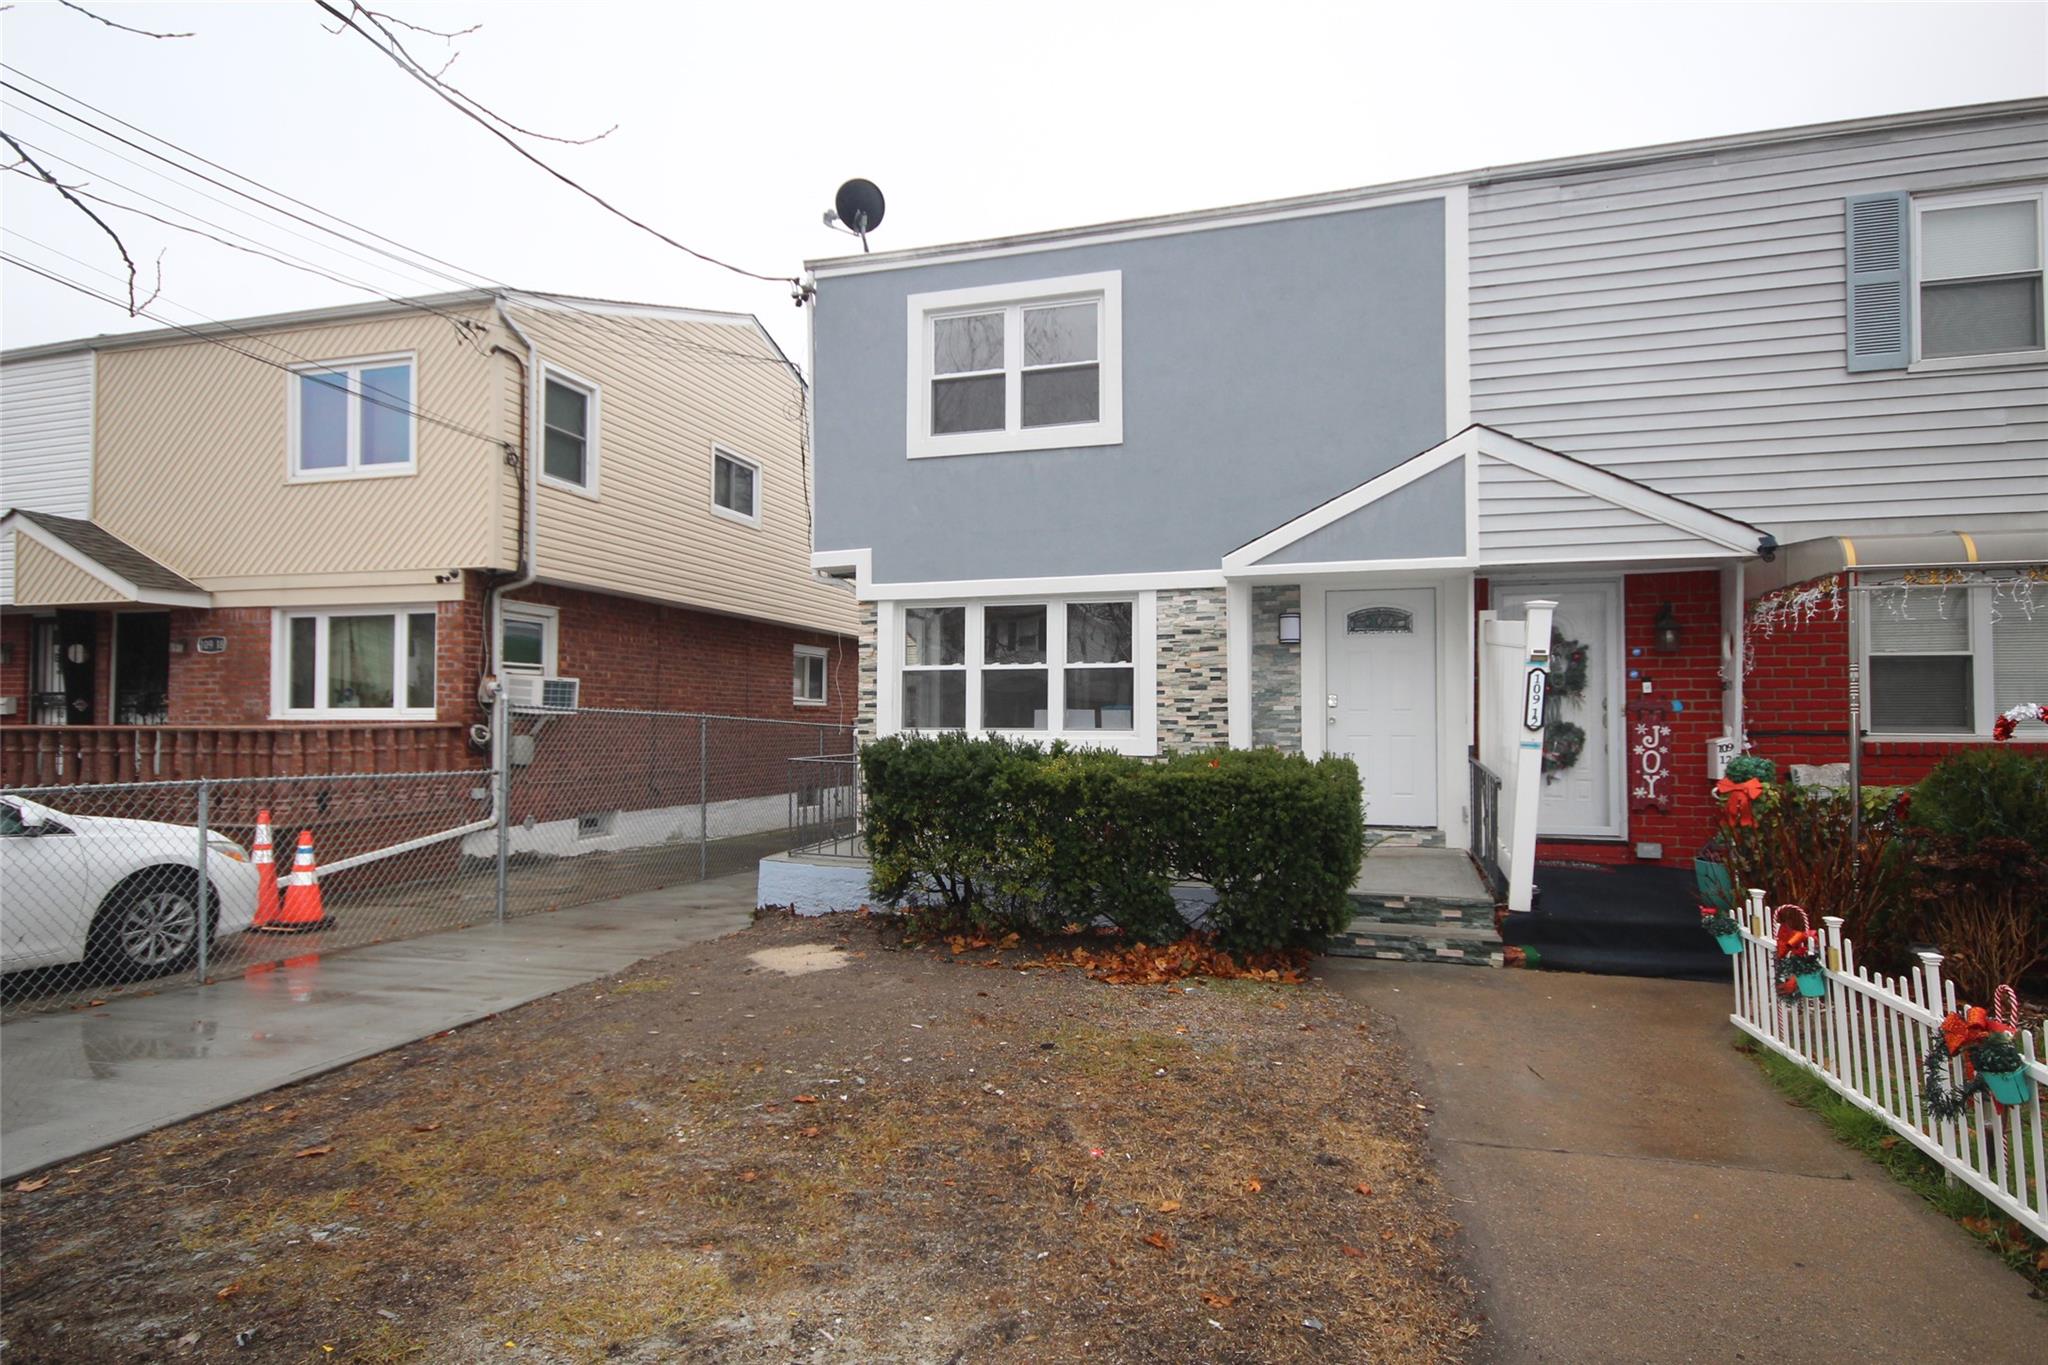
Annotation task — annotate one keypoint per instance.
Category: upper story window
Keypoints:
(353, 664)
(735, 486)
(1979, 274)
(1031, 366)
(568, 432)
(352, 418)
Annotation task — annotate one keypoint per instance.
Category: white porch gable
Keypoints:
(1484, 499)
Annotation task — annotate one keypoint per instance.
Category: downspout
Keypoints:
(528, 567)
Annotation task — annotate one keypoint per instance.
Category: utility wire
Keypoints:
(418, 73)
(289, 367)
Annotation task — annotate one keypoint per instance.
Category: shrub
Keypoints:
(1742, 767)
(1799, 851)
(1986, 794)
(1979, 854)
(1015, 836)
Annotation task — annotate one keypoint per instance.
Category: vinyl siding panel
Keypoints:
(668, 389)
(1526, 518)
(45, 441)
(1683, 324)
(192, 465)
(43, 578)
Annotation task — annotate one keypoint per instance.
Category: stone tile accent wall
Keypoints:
(1194, 699)
(864, 712)
(1276, 671)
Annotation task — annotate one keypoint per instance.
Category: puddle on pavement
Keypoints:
(800, 959)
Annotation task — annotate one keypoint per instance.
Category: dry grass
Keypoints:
(914, 1157)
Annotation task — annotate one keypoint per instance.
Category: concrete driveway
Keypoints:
(73, 1082)
(1633, 1189)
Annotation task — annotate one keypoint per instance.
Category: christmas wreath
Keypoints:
(1992, 1064)
(1796, 965)
(1563, 742)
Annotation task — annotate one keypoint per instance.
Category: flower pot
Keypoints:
(1812, 984)
(1716, 887)
(2009, 1087)
(1731, 944)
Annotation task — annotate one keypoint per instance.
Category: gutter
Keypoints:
(529, 494)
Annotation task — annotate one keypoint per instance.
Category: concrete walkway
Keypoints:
(1633, 1189)
(70, 1083)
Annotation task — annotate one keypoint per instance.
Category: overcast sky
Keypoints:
(737, 120)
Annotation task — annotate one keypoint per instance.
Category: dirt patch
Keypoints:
(799, 959)
(923, 1156)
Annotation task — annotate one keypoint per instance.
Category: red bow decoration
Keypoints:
(1739, 796)
(1965, 1030)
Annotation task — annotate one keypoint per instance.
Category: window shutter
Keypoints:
(1880, 292)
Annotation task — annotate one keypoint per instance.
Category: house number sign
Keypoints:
(1650, 779)
(1535, 683)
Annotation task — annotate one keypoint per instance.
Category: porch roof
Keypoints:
(68, 561)
(1485, 499)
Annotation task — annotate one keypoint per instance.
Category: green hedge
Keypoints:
(1016, 836)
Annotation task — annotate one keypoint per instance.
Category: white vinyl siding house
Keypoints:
(46, 428)
(1683, 322)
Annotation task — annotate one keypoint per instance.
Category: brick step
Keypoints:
(1458, 945)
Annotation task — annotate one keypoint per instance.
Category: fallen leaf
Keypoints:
(1215, 1300)
(321, 1150)
(1983, 1227)
(811, 1131)
(426, 1127)
(229, 1291)
(1888, 1143)
(31, 1186)
(2041, 1261)
(91, 1003)
(1354, 1252)
(188, 1341)
(749, 1177)
(1159, 1240)
(1252, 1186)
(1170, 1206)
(1363, 1189)
(806, 1099)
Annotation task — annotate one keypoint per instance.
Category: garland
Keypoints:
(1563, 742)
(1788, 966)
(2002, 728)
(1717, 921)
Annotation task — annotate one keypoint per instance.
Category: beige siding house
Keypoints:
(346, 517)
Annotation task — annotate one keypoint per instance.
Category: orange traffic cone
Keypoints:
(301, 893)
(265, 859)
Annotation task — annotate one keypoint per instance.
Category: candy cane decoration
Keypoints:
(2002, 728)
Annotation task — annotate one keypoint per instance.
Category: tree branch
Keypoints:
(140, 32)
(377, 20)
(134, 308)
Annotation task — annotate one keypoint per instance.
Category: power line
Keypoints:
(395, 53)
(409, 410)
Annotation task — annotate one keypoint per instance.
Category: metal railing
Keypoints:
(116, 887)
(1485, 844)
(825, 805)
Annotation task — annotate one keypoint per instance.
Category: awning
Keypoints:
(70, 562)
(1930, 550)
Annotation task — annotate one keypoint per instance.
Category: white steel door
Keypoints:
(1380, 658)
(1580, 799)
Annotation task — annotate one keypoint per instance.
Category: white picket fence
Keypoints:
(1866, 1038)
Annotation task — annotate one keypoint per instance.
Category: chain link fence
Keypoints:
(113, 888)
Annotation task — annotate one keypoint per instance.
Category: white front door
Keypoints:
(1579, 790)
(1381, 665)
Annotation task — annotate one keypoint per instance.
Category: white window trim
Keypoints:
(1983, 679)
(280, 663)
(550, 619)
(353, 469)
(1106, 287)
(721, 450)
(824, 676)
(1937, 202)
(591, 413)
(1141, 739)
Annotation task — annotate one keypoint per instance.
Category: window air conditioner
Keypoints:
(535, 692)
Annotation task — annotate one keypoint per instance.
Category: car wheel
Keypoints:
(149, 927)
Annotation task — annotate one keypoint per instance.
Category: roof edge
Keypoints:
(1366, 195)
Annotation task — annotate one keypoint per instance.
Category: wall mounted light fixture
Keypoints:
(1290, 627)
(1669, 633)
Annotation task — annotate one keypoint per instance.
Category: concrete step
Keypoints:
(1460, 945)
(1471, 912)
(1403, 838)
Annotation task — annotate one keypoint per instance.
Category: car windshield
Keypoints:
(10, 819)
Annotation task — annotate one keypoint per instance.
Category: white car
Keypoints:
(117, 895)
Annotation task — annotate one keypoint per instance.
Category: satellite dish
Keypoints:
(859, 205)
